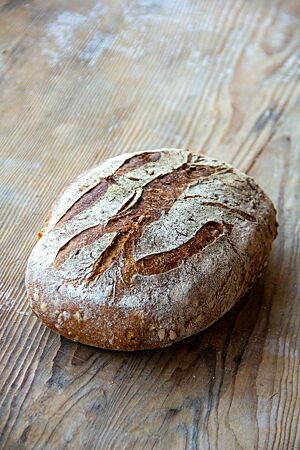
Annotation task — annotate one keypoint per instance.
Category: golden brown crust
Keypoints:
(149, 248)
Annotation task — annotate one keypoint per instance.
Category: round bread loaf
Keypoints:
(149, 248)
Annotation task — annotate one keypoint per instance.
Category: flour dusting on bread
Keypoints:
(149, 248)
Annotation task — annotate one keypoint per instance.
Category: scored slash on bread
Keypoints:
(149, 248)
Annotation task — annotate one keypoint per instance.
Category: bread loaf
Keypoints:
(149, 248)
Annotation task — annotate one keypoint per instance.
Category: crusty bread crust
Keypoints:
(149, 248)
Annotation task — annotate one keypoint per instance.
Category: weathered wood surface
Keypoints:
(81, 81)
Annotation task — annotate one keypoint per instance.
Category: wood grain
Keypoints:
(81, 81)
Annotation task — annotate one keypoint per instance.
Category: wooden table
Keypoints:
(82, 81)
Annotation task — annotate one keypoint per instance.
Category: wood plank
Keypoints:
(81, 81)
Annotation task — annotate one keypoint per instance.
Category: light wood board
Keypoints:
(82, 81)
